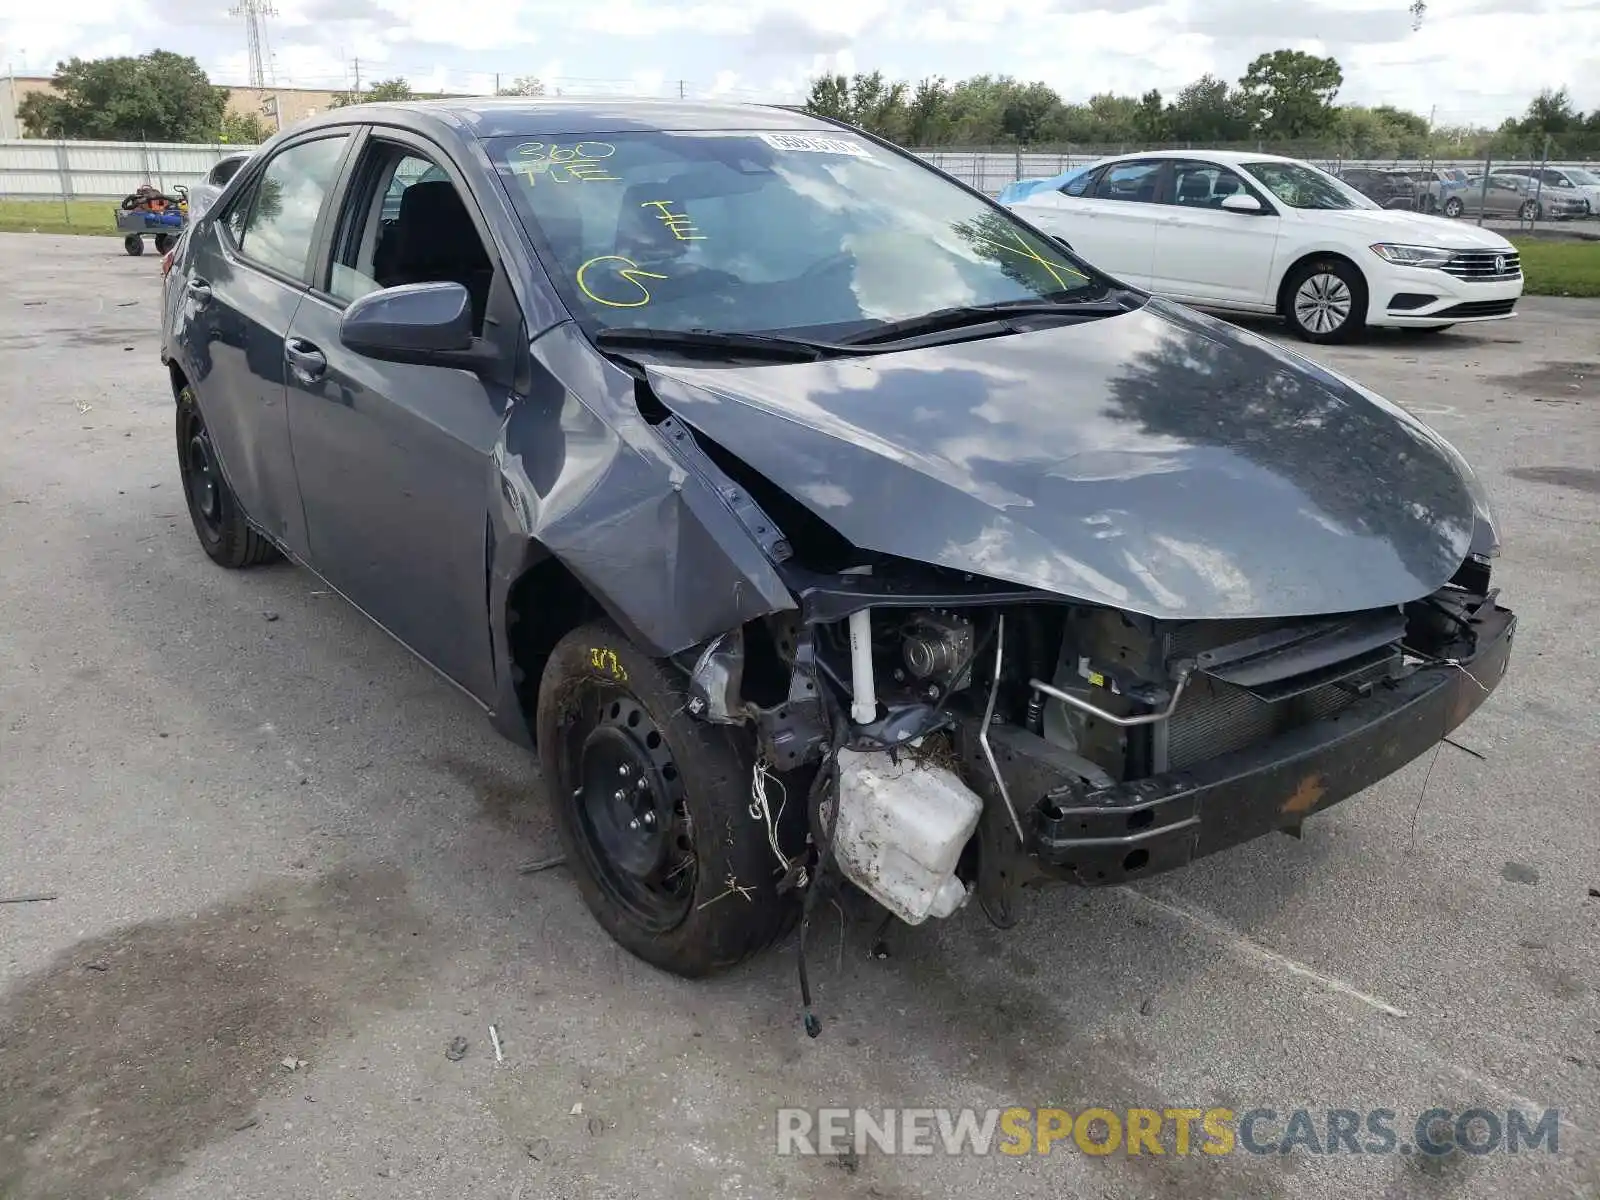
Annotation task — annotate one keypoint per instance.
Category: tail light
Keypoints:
(166, 262)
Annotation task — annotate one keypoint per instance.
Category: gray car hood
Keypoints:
(1159, 461)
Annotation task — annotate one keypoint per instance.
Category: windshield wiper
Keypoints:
(963, 315)
(756, 345)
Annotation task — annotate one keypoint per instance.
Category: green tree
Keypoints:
(156, 97)
(243, 129)
(868, 101)
(524, 85)
(1293, 92)
(1208, 110)
(384, 89)
(1150, 119)
(928, 113)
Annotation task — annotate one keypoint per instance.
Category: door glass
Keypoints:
(1204, 185)
(1083, 185)
(412, 227)
(1129, 181)
(290, 196)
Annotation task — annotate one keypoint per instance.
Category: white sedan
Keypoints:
(1259, 234)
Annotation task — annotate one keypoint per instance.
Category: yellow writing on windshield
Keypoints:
(581, 162)
(607, 269)
(1021, 248)
(680, 224)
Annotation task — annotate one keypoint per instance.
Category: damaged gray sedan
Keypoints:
(813, 516)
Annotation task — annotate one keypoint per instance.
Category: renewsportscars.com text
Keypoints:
(1165, 1131)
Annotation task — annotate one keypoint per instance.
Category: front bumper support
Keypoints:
(1152, 825)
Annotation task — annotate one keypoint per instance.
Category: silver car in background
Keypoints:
(1517, 196)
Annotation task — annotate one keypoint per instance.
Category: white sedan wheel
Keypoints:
(1323, 303)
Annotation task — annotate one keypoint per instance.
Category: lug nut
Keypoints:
(619, 795)
(623, 770)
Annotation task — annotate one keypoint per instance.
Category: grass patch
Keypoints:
(52, 216)
(1552, 268)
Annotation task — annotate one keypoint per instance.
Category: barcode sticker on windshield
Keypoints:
(814, 145)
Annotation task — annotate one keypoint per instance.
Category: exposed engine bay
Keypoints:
(984, 738)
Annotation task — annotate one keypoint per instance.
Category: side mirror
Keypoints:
(1241, 202)
(427, 324)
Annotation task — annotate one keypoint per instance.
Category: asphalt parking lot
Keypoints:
(284, 860)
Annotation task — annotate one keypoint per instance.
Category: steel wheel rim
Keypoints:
(1323, 303)
(203, 482)
(632, 817)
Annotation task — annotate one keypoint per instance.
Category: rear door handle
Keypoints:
(305, 360)
(199, 289)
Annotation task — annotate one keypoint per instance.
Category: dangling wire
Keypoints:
(761, 810)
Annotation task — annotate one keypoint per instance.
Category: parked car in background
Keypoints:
(1564, 182)
(1435, 185)
(1262, 234)
(811, 513)
(1518, 196)
(204, 194)
(1385, 186)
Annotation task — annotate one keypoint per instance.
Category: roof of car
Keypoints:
(522, 116)
(1227, 157)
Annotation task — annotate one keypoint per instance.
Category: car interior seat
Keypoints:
(435, 241)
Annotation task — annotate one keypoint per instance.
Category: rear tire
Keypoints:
(653, 809)
(133, 244)
(219, 523)
(1453, 207)
(163, 242)
(1325, 301)
(1530, 211)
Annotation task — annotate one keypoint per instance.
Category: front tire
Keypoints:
(1453, 207)
(653, 809)
(133, 244)
(218, 520)
(1325, 301)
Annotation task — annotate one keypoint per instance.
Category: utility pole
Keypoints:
(358, 77)
(497, 83)
(680, 89)
(254, 12)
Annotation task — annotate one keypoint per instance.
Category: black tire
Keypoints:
(218, 521)
(133, 244)
(1531, 210)
(1309, 306)
(601, 702)
(163, 242)
(1453, 207)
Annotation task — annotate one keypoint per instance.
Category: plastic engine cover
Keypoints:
(900, 831)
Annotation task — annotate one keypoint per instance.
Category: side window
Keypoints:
(225, 170)
(1134, 181)
(238, 212)
(1556, 179)
(289, 198)
(1204, 185)
(1083, 185)
(406, 222)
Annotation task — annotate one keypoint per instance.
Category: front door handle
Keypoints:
(199, 289)
(305, 360)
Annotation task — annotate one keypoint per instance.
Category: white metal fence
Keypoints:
(35, 169)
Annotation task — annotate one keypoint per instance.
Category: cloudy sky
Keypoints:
(1473, 61)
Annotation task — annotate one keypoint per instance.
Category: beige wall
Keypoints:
(295, 103)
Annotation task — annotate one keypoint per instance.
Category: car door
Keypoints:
(246, 274)
(1122, 210)
(394, 458)
(1210, 254)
